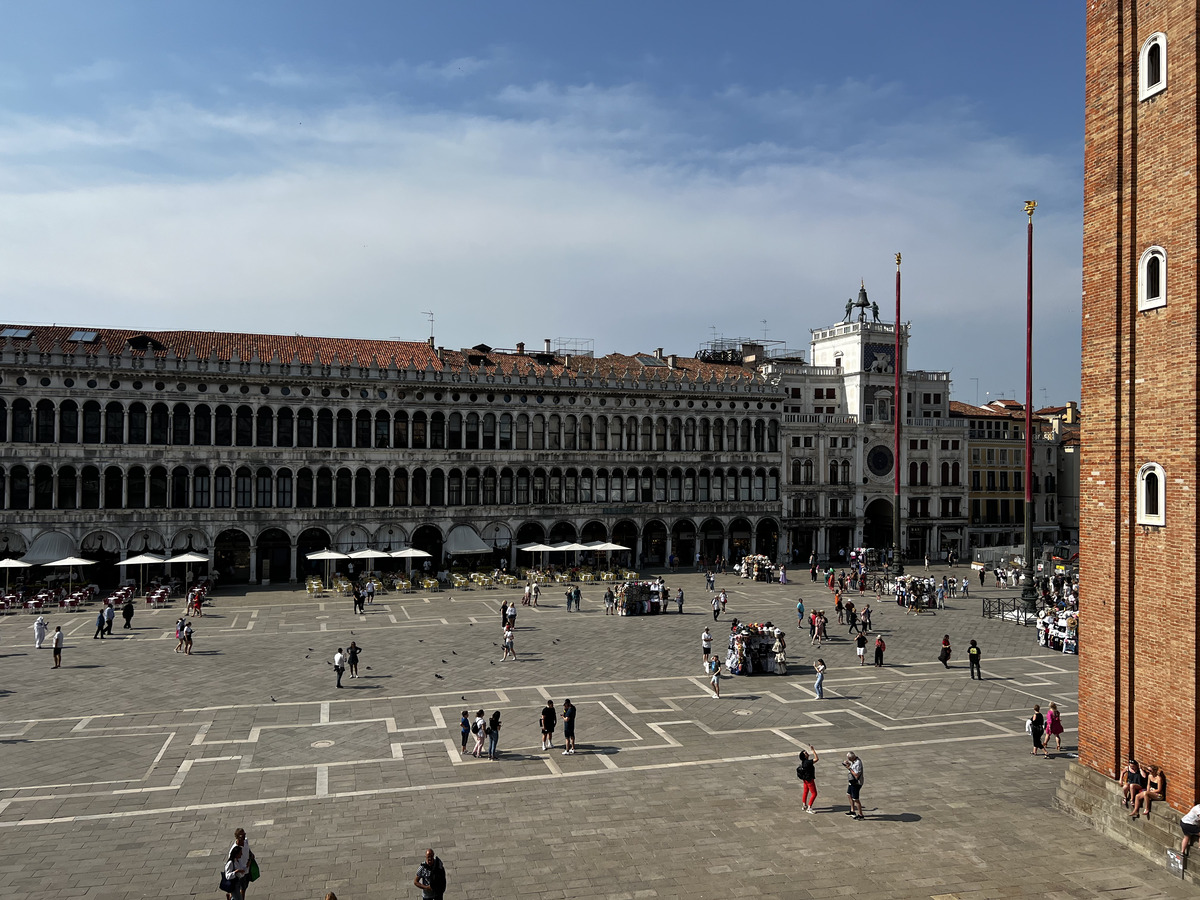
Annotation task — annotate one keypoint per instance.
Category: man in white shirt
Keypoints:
(706, 645)
(339, 665)
(854, 771)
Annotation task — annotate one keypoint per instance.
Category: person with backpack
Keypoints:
(479, 729)
(548, 722)
(807, 773)
(431, 877)
(974, 657)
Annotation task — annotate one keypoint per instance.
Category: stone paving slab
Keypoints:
(127, 770)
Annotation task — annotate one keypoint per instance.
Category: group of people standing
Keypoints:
(806, 771)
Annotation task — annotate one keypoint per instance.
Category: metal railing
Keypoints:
(1011, 610)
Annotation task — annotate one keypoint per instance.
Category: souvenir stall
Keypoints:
(1058, 630)
(758, 568)
(750, 649)
(641, 598)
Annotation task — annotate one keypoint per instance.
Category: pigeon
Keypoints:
(492, 661)
(454, 652)
(368, 668)
(494, 644)
(462, 698)
(436, 675)
(443, 662)
(310, 649)
(273, 700)
(306, 656)
(420, 641)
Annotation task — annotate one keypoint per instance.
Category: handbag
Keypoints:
(254, 870)
(225, 884)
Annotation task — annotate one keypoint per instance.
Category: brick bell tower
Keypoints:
(1139, 545)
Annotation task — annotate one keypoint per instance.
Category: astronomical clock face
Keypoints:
(879, 460)
(879, 358)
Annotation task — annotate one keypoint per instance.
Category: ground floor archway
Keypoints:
(274, 556)
(231, 556)
(877, 524)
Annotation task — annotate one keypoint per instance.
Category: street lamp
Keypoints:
(1028, 592)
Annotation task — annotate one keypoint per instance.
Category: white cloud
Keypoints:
(589, 215)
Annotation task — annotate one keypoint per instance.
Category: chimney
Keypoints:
(547, 344)
(431, 342)
(440, 352)
(671, 360)
(566, 360)
(520, 348)
(658, 353)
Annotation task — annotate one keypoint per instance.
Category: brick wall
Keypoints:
(1138, 677)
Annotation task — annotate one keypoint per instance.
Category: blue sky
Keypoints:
(637, 174)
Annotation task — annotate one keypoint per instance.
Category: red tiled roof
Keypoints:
(303, 350)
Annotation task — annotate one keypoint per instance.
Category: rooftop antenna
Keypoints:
(426, 312)
(713, 329)
(764, 325)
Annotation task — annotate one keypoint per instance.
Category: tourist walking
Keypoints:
(819, 684)
(799, 613)
(1054, 727)
(179, 634)
(431, 877)
(533, 597)
(1035, 727)
(247, 859)
(188, 631)
(99, 626)
(678, 601)
(706, 645)
(503, 613)
(339, 660)
(610, 601)
(127, 612)
(880, 646)
(724, 599)
(865, 619)
(714, 669)
(568, 720)
(109, 614)
(716, 606)
(966, 587)
(236, 867)
(39, 632)
(860, 647)
(57, 645)
(974, 657)
(493, 735)
(512, 616)
(352, 658)
(509, 638)
(779, 648)
(548, 721)
(854, 773)
(944, 654)
(807, 773)
(464, 725)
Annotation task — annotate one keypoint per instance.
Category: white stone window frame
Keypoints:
(1146, 302)
(1146, 90)
(1158, 519)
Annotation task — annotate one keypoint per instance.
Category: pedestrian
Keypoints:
(371, 592)
(714, 668)
(533, 596)
(860, 646)
(575, 593)
(1035, 727)
(1054, 726)
(247, 859)
(179, 634)
(926, 562)
(706, 645)
(783, 575)
(503, 613)
(974, 657)
(110, 613)
(57, 645)
(493, 735)
(39, 632)
(716, 606)
(678, 601)
(799, 613)
(431, 877)
(807, 773)
(854, 772)
(966, 587)
(944, 654)
(188, 631)
(981, 577)
(1190, 826)
(339, 660)
(865, 618)
(724, 599)
(99, 626)
(359, 599)
(352, 658)
(509, 638)
(779, 648)
(464, 724)
(548, 721)
(819, 684)
(127, 612)
(479, 729)
(568, 720)
(231, 876)
(880, 646)
(512, 616)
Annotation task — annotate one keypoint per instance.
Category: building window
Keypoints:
(1151, 499)
(1152, 279)
(1152, 66)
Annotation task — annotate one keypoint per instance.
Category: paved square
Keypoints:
(125, 772)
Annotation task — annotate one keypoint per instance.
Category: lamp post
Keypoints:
(1028, 592)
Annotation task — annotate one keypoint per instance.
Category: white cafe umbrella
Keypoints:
(7, 564)
(141, 561)
(70, 562)
(410, 553)
(326, 555)
(538, 548)
(191, 556)
(370, 554)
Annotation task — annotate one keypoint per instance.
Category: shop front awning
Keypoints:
(50, 546)
(463, 540)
